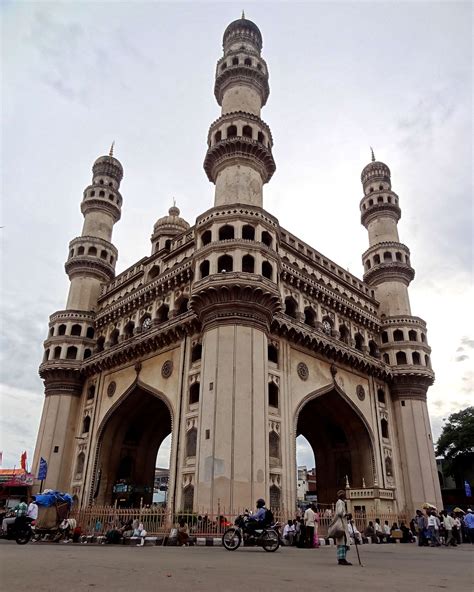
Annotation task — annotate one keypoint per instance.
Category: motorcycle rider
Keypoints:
(258, 520)
(20, 511)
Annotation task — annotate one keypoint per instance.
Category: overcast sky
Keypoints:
(343, 76)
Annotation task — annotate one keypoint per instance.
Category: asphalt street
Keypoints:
(43, 567)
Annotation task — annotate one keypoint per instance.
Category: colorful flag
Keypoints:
(23, 461)
(43, 469)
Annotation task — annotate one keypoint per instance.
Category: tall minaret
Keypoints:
(71, 337)
(239, 157)
(403, 340)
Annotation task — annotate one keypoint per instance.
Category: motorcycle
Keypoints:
(21, 530)
(267, 537)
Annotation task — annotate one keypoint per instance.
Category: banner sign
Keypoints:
(43, 469)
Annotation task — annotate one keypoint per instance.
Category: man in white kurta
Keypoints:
(343, 542)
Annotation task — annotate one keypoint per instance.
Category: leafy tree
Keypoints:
(456, 444)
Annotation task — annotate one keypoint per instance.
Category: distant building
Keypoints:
(161, 479)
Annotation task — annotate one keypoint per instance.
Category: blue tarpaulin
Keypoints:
(50, 498)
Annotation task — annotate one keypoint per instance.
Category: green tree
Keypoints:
(456, 445)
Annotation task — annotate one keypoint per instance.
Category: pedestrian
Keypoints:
(421, 528)
(343, 539)
(309, 521)
(469, 524)
(433, 528)
(386, 531)
(457, 529)
(448, 523)
(378, 531)
(32, 511)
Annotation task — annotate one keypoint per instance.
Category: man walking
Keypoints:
(469, 524)
(309, 521)
(448, 523)
(342, 542)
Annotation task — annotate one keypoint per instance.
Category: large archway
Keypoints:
(129, 440)
(341, 442)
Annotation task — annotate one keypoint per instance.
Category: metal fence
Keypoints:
(97, 520)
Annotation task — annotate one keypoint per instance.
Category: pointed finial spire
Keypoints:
(111, 151)
(243, 14)
(373, 155)
(174, 202)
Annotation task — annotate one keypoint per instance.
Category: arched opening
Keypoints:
(134, 439)
(412, 336)
(273, 393)
(87, 353)
(401, 357)
(398, 335)
(344, 334)
(274, 449)
(194, 393)
(188, 498)
(129, 329)
(272, 353)
(90, 333)
(261, 137)
(359, 341)
(76, 330)
(218, 136)
(309, 316)
(114, 336)
(162, 314)
(62, 330)
(206, 237)
(247, 131)
(373, 349)
(86, 425)
(196, 353)
(416, 358)
(92, 251)
(248, 232)
(340, 441)
(267, 270)
(275, 498)
(235, 61)
(57, 352)
(387, 256)
(46, 356)
(225, 263)
(384, 337)
(79, 466)
(191, 442)
(226, 232)
(291, 308)
(427, 361)
(376, 259)
(71, 353)
(386, 358)
(204, 269)
(100, 344)
(384, 428)
(248, 264)
(248, 62)
(182, 306)
(381, 396)
(267, 238)
(91, 392)
(232, 131)
(168, 244)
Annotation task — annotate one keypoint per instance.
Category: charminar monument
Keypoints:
(235, 337)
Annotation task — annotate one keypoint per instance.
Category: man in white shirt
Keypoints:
(309, 521)
(32, 511)
(379, 536)
(448, 523)
(433, 527)
(353, 532)
(289, 533)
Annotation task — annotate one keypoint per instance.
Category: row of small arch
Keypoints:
(227, 232)
(247, 132)
(102, 194)
(75, 331)
(225, 263)
(236, 62)
(402, 359)
(399, 335)
(380, 199)
(91, 252)
(388, 257)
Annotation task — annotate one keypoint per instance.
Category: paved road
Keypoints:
(71, 568)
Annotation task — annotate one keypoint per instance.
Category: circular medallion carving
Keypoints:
(167, 369)
(302, 370)
(360, 392)
(111, 388)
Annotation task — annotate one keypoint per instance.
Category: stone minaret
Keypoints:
(404, 344)
(239, 158)
(71, 339)
(235, 291)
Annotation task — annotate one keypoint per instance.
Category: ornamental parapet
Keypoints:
(71, 315)
(379, 209)
(410, 383)
(236, 150)
(317, 341)
(220, 213)
(101, 204)
(241, 75)
(235, 298)
(395, 271)
(239, 116)
(89, 265)
(61, 377)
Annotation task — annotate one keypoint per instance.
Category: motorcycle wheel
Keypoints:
(270, 541)
(23, 537)
(231, 539)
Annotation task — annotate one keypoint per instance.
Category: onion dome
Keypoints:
(108, 166)
(375, 171)
(171, 224)
(242, 30)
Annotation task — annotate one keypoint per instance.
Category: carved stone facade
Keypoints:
(234, 336)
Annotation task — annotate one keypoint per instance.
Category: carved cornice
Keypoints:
(102, 204)
(386, 245)
(331, 348)
(376, 210)
(393, 271)
(411, 383)
(235, 298)
(328, 297)
(72, 315)
(94, 240)
(142, 344)
(249, 212)
(91, 266)
(231, 116)
(235, 150)
(60, 379)
(241, 75)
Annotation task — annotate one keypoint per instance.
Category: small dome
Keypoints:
(242, 27)
(171, 224)
(375, 171)
(108, 165)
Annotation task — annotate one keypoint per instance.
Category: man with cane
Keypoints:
(354, 533)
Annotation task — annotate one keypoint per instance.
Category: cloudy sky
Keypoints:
(343, 76)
